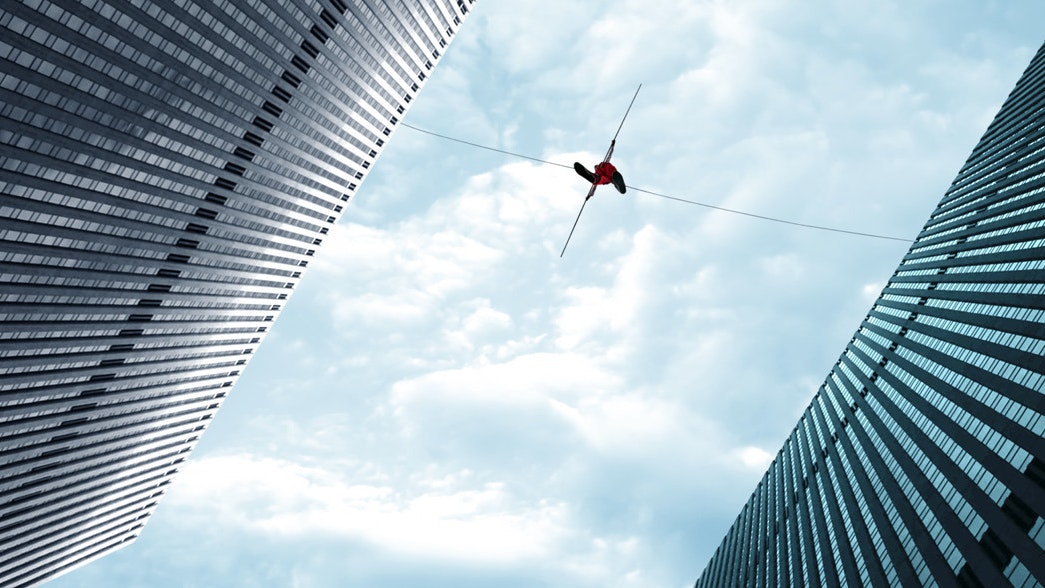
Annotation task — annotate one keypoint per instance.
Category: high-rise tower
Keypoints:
(920, 459)
(167, 171)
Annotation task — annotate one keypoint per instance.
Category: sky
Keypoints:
(446, 402)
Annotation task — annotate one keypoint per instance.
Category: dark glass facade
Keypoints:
(167, 170)
(919, 461)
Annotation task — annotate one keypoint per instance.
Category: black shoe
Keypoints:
(618, 182)
(583, 172)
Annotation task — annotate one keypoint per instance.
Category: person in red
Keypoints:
(605, 173)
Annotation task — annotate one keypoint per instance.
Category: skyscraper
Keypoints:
(920, 459)
(167, 171)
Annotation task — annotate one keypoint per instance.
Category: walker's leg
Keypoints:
(583, 172)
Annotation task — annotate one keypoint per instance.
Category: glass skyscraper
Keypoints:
(919, 461)
(167, 170)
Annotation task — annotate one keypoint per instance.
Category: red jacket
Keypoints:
(604, 173)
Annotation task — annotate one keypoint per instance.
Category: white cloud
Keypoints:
(603, 317)
(755, 458)
(285, 500)
(486, 319)
(870, 292)
(526, 379)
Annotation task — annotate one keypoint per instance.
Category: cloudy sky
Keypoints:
(446, 402)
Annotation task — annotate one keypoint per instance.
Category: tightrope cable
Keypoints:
(456, 140)
(774, 219)
(659, 195)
